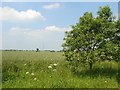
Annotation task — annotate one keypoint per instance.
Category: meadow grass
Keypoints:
(0, 69)
(29, 69)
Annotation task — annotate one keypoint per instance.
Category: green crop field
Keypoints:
(30, 69)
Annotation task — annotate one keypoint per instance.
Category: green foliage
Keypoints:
(105, 13)
(93, 39)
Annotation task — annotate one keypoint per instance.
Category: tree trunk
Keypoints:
(90, 69)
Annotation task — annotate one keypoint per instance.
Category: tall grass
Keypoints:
(29, 69)
(0, 69)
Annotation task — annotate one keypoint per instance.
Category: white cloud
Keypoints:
(29, 33)
(56, 29)
(50, 37)
(52, 6)
(10, 14)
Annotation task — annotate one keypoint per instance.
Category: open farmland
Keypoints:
(30, 69)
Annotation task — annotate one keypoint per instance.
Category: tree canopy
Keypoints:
(93, 39)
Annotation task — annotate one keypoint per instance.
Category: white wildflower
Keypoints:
(25, 64)
(49, 67)
(54, 70)
(32, 74)
(75, 50)
(105, 81)
(55, 64)
(35, 79)
(27, 72)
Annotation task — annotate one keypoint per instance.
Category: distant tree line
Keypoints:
(37, 50)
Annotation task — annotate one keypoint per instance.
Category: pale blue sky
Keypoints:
(43, 32)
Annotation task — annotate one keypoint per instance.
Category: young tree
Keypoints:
(91, 39)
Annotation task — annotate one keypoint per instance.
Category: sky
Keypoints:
(31, 25)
